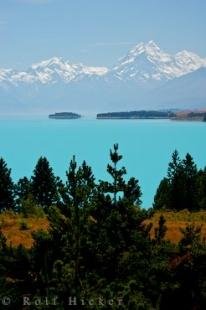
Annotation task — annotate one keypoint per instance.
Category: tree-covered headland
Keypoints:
(98, 252)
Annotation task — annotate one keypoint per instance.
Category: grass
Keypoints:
(177, 220)
(18, 230)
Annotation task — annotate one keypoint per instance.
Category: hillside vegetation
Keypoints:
(19, 229)
(177, 220)
(86, 238)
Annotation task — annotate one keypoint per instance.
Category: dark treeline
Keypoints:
(197, 114)
(183, 188)
(137, 114)
(97, 253)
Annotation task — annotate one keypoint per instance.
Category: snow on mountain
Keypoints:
(52, 71)
(56, 68)
(146, 61)
(147, 77)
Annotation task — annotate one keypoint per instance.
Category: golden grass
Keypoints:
(11, 227)
(177, 220)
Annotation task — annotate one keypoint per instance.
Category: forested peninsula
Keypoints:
(136, 115)
(144, 114)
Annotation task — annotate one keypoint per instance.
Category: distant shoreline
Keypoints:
(154, 115)
(133, 118)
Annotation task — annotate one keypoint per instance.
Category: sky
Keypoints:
(96, 32)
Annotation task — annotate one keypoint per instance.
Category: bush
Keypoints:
(30, 208)
(23, 225)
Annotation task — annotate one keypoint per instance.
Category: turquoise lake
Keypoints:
(146, 146)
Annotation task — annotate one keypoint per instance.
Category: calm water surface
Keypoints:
(146, 146)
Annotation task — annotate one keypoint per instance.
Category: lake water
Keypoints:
(146, 146)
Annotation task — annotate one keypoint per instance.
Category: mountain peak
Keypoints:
(144, 62)
(143, 47)
(151, 43)
(147, 61)
(48, 62)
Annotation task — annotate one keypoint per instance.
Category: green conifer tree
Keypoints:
(22, 190)
(6, 187)
(162, 195)
(118, 183)
(160, 231)
(189, 186)
(201, 189)
(43, 184)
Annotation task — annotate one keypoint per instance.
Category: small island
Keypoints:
(64, 115)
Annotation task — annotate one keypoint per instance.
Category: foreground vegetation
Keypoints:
(96, 248)
(19, 230)
(176, 223)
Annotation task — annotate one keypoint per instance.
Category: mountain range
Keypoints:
(147, 77)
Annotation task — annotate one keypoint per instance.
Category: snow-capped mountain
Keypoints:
(148, 62)
(51, 71)
(147, 77)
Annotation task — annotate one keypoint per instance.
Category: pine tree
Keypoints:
(132, 192)
(43, 184)
(162, 195)
(80, 186)
(174, 166)
(176, 178)
(160, 231)
(118, 183)
(201, 189)
(117, 221)
(179, 190)
(69, 228)
(22, 190)
(189, 186)
(6, 187)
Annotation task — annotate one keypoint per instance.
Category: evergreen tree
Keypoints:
(161, 199)
(175, 177)
(6, 187)
(189, 186)
(201, 189)
(43, 184)
(179, 190)
(22, 190)
(132, 192)
(160, 231)
(80, 187)
(116, 229)
(99, 245)
(69, 225)
(174, 166)
(118, 183)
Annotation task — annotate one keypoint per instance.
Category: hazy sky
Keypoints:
(96, 32)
